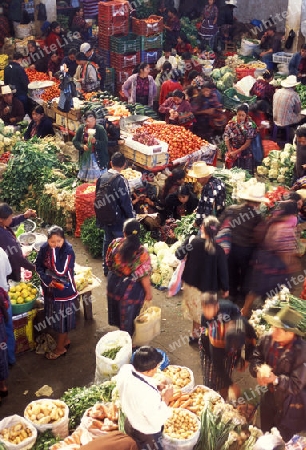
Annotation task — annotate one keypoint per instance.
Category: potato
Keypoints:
(182, 425)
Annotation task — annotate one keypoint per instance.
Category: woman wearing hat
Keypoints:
(287, 103)
(128, 285)
(279, 364)
(238, 136)
(212, 200)
(177, 110)
(11, 109)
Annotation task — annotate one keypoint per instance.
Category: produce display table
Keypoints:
(86, 297)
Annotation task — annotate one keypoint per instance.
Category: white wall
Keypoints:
(262, 9)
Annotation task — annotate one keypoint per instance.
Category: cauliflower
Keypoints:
(156, 278)
(266, 161)
(261, 170)
(283, 170)
(273, 174)
(281, 179)
(274, 165)
(293, 159)
(154, 262)
(160, 245)
(275, 154)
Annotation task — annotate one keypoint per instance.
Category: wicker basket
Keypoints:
(147, 27)
(232, 99)
(149, 42)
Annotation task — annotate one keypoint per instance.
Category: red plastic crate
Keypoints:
(148, 27)
(112, 9)
(120, 25)
(244, 72)
(122, 61)
(104, 41)
(123, 75)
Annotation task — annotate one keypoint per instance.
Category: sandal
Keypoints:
(54, 355)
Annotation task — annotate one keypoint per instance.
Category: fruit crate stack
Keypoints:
(113, 20)
(110, 80)
(125, 56)
(150, 31)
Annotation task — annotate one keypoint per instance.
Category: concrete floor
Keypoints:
(77, 368)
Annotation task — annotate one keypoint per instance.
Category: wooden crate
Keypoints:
(146, 161)
(74, 114)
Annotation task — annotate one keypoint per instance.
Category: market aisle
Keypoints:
(32, 371)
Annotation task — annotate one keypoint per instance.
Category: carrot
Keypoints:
(176, 403)
(185, 397)
(175, 396)
(186, 404)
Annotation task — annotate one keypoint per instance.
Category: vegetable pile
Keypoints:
(301, 90)
(42, 412)
(111, 353)
(16, 433)
(92, 237)
(224, 78)
(45, 440)
(181, 142)
(181, 425)
(79, 399)
(145, 139)
(283, 298)
(278, 165)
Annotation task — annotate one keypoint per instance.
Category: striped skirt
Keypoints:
(60, 315)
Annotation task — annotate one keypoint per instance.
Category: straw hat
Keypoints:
(200, 170)
(231, 2)
(287, 319)
(290, 82)
(255, 193)
(85, 47)
(7, 90)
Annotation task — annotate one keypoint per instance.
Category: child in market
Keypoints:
(143, 404)
(223, 335)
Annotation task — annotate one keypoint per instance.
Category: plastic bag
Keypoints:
(176, 280)
(147, 326)
(10, 421)
(84, 205)
(59, 428)
(248, 47)
(106, 368)
(170, 443)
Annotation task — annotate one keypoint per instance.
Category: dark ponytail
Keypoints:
(131, 243)
(211, 227)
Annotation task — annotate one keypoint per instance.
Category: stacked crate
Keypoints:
(113, 20)
(125, 56)
(151, 35)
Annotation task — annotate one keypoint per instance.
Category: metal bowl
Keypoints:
(27, 239)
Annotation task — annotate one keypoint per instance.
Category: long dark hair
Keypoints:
(177, 174)
(131, 243)
(211, 227)
(55, 230)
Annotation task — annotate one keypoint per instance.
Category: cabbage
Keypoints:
(216, 74)
(160, 245)
(225, 70)
(220, 86)
(156, 278)
(228, 80)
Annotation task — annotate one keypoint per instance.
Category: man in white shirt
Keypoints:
(5, 269)
(142, 402)
(166, 57)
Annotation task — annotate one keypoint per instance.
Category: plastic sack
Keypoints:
(182, 444)
(60, 427)
(165, 361)
(248, 47)
(188, 387)
(147, 326)
(244, 85)
(176, 280)
(106, 368)
(10, 421)
(84, 205)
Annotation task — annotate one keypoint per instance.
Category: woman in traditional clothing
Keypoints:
(92, 143)
(209, 25)
(238, 136)
(55, 266)
(205, 271)
(129, 283)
